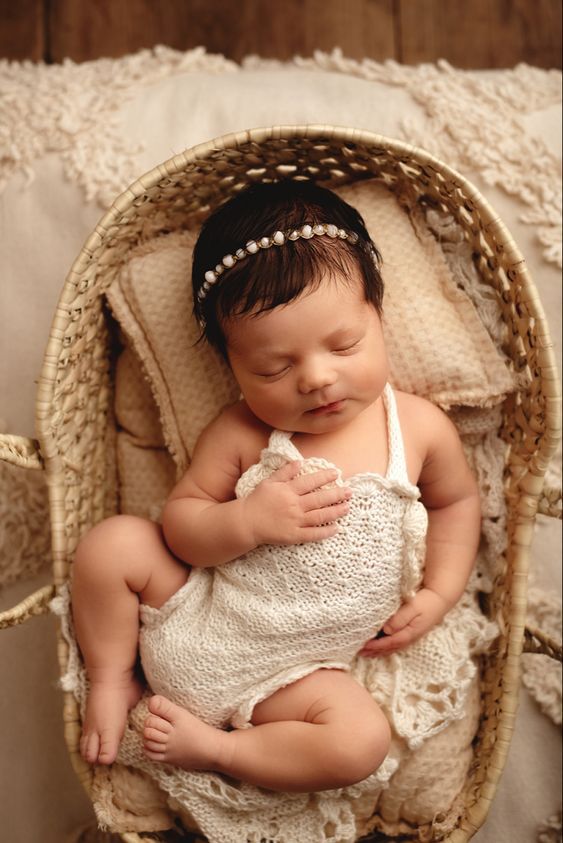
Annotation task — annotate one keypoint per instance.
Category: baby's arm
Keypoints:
(451, 496)
(205, 525)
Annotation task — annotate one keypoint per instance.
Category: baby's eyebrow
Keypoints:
(265, 355)
(343, 332)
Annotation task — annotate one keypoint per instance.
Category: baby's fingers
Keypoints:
(307, 483)
(287, 472)
(325, 515)
(388, 644)
(402, 617)
(322, 499)
(319, 533)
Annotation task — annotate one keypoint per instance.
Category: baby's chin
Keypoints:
(325, 420)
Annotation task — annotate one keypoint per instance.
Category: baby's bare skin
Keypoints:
(109, 701)
(112, 574)
(304, 740)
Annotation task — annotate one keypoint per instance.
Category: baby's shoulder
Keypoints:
(422, 422)
(238, 430)
(410, 404)
(221, 455)
(239, 417)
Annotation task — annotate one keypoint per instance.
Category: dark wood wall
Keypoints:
(468, 33)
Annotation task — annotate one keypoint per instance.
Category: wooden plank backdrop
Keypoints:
(468, 33)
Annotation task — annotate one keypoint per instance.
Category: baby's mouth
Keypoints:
(333, 407)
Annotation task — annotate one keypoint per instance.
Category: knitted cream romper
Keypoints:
(236, 633)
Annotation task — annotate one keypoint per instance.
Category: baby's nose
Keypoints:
(316, 375)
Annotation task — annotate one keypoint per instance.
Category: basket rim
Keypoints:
(310, 131)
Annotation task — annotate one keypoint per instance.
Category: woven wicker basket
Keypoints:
(75, 424)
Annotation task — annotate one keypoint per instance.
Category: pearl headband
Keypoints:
(278, 238)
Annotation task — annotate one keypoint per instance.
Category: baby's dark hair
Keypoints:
(278, 274)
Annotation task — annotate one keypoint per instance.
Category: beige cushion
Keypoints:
(146, 469)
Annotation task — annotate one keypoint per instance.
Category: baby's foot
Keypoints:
(106, 715)
(175, 736)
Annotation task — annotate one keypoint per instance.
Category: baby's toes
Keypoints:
(157, 723)
(155, 747)
(164, 709)
(90, 747)
(155, 750)
(155, 735)
(155, 740)
(109, 745)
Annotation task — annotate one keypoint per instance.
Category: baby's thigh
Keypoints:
(130, 551)
(326, 696)
(167, 573)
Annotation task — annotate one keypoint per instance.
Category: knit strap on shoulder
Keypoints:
(397, 464)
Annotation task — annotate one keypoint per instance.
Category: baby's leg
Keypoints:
(322, 732)
(120, 561)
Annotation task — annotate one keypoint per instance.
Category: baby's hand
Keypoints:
(410, 622)
(287, 509)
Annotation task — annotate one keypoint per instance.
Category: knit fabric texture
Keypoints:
(236, 633)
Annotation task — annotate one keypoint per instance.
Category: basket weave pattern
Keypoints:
(75, 398)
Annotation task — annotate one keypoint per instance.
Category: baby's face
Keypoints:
(312, 365)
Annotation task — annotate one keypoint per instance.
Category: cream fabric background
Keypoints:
(43, 225)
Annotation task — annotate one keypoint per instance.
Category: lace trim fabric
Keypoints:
(77, 113)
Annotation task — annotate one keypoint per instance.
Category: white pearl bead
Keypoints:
(252, 247)
(293, 235)
(210, 277)
(219, 269)
(319, 229)
(228, 261)
(265, 242)
(279, 238)
(306, 232)
(240, 253)
(332, 230)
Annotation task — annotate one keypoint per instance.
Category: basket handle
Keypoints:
(536, 641)
(21, 451)
(36, 604)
